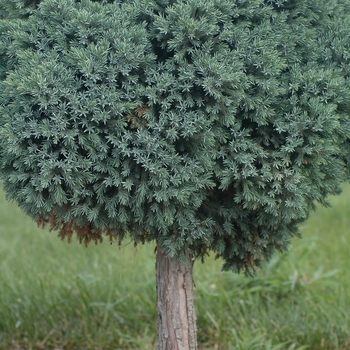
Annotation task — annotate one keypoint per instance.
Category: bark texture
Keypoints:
(177, 328)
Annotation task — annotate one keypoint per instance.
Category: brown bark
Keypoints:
(177, 328)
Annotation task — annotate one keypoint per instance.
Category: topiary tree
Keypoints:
(200, 125)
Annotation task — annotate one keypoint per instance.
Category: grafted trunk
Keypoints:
(177, 328)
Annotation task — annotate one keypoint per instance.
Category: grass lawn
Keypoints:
(67, 297)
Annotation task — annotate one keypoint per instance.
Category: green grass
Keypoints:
(66, 297)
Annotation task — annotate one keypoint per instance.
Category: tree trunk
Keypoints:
(177, 328)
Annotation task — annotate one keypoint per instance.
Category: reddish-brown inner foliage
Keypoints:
(85, 234)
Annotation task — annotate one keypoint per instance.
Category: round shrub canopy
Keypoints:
(205, 125)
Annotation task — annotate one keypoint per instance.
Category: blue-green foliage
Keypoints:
(206, 125)
(11, 9)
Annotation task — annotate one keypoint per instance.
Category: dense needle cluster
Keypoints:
(205, 125)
